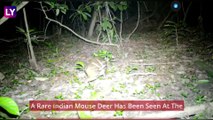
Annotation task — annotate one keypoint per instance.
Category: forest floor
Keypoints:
(145, 68)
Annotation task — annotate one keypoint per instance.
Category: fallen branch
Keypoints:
(157, 63)
(10, 40)
(141, 74)
(76, 34)
(167, 63)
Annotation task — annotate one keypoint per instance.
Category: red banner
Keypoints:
(107, 105)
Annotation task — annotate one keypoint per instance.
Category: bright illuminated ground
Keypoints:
(164, 72)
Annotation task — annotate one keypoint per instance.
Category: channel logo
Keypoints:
(10, 11)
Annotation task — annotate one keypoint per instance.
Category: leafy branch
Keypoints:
(69, 29)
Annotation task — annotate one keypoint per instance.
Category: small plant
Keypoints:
(77, 96)
(122, 85)
(114, 90)
(67, 73)
(168, 96)
(112, 69)
(198, 116)
(75, 79)
(118, 113)
(53, 72)
(184, 94)
(84, 115)
(30, 74)
(15, 82)
(200, 99)
(79, 65)
(130, 69)
(60, 96)
(140, 93)
(104, 54)
(158, 94)
(93, 95)
(150, 69)
(89, 87)
(154, 87)
(192, 87)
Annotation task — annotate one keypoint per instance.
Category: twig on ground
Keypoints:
(142, 74)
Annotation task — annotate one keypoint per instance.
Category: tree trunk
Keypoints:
(32, 59)
(92, 24)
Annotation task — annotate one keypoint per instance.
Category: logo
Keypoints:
(10, 11)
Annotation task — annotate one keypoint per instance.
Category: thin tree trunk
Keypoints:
(121, 26)
(186, 13)
(138, 21)
(32, 59)
(92, 24)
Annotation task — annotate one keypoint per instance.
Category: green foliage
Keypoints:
(184, 94)
(77, 95)
(154, 87)
(199, 116)
(112, 69)
(60, 96)
(140, 93)
(93, 95)
(109, 32)
(82, 13)
(104, 54)
(121, 6)
(57, 7)
(107, 22)
(75, 79)
(90, 86)
(118, 113)
(129, 69)
(9, 105)
(150, 69)
(84, 115)
(114, 89)
(106, 25)
(53, 72)
(30, 75)
(67, 73)
(200, 99)
(33, 33)
(79, 65)
(122, 85)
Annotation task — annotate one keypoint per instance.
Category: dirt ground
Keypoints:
(144, 68)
